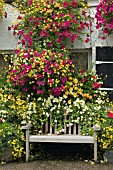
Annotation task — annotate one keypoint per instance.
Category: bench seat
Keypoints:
(61, 138)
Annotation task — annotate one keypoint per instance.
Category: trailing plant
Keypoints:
(104, 17)
(50, 23)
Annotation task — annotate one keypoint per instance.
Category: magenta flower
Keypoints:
(65, 4)
(64, 79)
(50, 81)
(38, 91)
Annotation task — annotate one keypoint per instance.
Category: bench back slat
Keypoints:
(74, 129)
(69, 128)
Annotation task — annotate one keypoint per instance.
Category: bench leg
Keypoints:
(27, 145)
(95, 146)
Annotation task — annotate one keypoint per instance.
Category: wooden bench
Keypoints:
(71, 134)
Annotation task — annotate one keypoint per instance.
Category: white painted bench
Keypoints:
(71, 134)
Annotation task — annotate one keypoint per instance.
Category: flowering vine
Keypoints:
(50, 23)
(104, 17)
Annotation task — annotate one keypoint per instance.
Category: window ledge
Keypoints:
(93, 3)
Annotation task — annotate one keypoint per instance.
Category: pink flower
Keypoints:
(54, 16)
(42, 83)
(64, 79)
(25, 89)
(74, 36)
(30, 2)
(50, 81)
(70, 61)
(59, 40)
(38, 91)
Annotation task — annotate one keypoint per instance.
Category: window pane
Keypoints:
(104, 54)
(80, 60)
(106, 72)
(4, 64)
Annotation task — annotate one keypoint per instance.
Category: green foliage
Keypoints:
(11, 136)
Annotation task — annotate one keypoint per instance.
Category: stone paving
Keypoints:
(56, 165)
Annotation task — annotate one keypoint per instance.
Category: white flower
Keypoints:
(39, 99)
(58, 111)
(23, 122)
(47, 114)
(55, 100)
(43, 113)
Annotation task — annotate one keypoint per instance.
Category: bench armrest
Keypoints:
(96, 128)
(26, 127)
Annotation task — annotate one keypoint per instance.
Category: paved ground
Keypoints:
(56, 165)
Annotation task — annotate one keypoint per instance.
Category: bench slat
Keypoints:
(61, 138)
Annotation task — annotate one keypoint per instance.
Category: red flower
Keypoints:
(65, 4)
(9, 28)
(87, 40)
(5, 14)
(93, 77)
(0, 120)
(84, 80)
(82, 71)
(74, 3)
(110, 114)
(19, 17)
(96, 85)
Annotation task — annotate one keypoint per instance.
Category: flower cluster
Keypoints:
(41, 82)
(41, 73)
(48, 24)
(104, 17)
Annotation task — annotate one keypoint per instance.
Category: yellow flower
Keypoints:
(80, 91)
(75, 95)
(69, 101)
(75, 80)
(67, 93)
(56, 5)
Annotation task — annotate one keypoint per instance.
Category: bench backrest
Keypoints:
(69, 128)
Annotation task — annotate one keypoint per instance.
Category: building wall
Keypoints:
(7, 40)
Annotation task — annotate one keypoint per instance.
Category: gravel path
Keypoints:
(56, 165)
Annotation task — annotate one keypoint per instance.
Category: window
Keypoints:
(4, 63)
(81, 59)
(104, 67)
